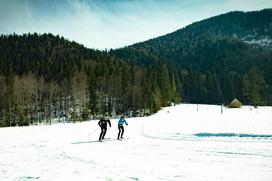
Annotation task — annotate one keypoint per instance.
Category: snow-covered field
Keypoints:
(184, 142)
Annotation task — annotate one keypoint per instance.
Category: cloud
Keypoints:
(112, 23)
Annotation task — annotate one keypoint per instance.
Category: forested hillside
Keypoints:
(217, 59)
(46, 77)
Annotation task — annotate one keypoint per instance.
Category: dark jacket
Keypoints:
(103, 123)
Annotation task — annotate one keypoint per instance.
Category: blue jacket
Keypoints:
(122, 121)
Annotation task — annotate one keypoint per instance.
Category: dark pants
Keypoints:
(121, 131)
(103, 133)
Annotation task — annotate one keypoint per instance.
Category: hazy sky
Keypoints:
(112, 23)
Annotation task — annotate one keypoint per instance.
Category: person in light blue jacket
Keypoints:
(121, 127)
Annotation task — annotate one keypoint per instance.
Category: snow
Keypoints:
(262, 41)
(183, 142)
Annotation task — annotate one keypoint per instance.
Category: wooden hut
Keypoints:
(235, 103)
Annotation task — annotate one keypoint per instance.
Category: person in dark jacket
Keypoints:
(121, 127)
(103, 125)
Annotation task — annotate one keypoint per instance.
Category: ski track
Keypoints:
(70, 152)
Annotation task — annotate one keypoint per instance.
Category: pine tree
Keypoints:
(217, 91)
(214, 94)
(175, 96)
(165, 84)
(229, 88)
(253, 86)
(156, 101)
(92, 91)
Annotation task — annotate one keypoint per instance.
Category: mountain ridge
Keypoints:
(263, 12)
(228, 46)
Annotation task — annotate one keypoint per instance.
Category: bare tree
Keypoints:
(25, 89)
(2, 97)
(51, 97)
(40, 101)
(79, 92)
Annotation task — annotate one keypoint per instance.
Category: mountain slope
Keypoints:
(227, 46)
(232, 29)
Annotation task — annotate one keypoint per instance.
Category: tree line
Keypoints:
(217, 80)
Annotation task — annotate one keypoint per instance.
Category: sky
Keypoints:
(105, 24)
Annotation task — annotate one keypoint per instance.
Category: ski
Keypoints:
(109, 139)
(105, 139)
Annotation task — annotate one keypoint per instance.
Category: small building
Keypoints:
(235, 104)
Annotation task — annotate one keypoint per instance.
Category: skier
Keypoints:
(121, 127)
(103, 125)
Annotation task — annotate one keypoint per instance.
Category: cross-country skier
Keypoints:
(121, 127)
(103, 125)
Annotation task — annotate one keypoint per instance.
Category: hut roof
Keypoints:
(235, 103)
